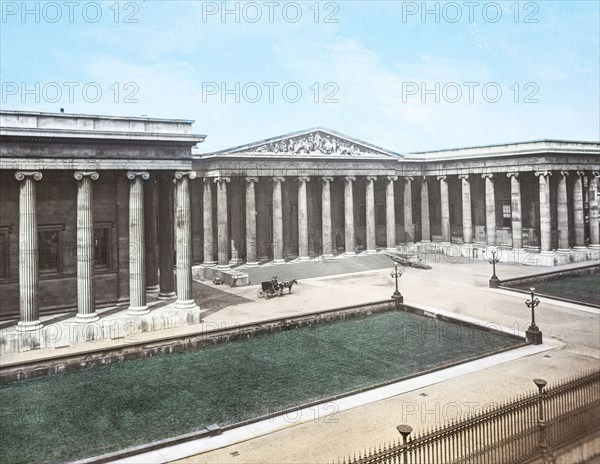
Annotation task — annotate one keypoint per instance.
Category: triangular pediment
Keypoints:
(317, 142)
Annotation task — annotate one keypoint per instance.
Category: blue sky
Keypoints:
(408, 76)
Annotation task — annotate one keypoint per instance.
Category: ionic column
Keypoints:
(563, 213)
(151, 238)
(28, 252)
(593, 205)
(578, 216)
(222, 223)
(207, 200)
(236, 225)
(370, 212)
(408, 216)
(302, 220)
(490, 209)
(137, 246)
(86, 309)
(390, 213)
(277, 221)
(349, 217)
(545, 213)
(425, 230)
(166, 240)
(183, 242)
(326, 233)
(515, 207)
(251, 258)
(467, 223)
(445, 208)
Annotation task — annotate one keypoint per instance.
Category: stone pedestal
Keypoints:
(251, 256)
(183, 243)
(302, 220)
(370, 212)
(350, 248)
(166, 240)
(137, 246)
(277, 221)
(86, 310)
(390, 214)
(533, 335)
(28, 252)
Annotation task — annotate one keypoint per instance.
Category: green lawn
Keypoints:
(584, 288)
(107, 408)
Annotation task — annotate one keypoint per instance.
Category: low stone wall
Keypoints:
(231, 277)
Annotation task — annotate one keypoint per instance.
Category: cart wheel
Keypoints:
(261, 294)
(268, 295)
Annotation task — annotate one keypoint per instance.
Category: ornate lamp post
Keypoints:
(533, 333)
(405, 431)
(543, 443)
(494, 281)
(396, 295)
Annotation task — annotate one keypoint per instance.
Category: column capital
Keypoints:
(464, 177)
(303, 179)
(91, 174)
(564, 173)
(595, 173)
(180, 174)
(487, 175)
(544, 173)
(251, 179)
(221, 179)
(392, 178)
(442, 177)
(278, 179)
(371, 178)
(512, 174)
(131, 175)
(327, 179)
(21, 175)
(581, 173)
(408, 178)
(350, 178)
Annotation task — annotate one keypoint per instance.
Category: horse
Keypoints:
(287, 284)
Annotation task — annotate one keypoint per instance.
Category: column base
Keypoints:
(223, 267)
(350, 253)
(186, 304)
(579, 248)
(235, 262)
(29, 326)
(564, 251)
(209, 263)
(391, 249)
(595, 247)
(546, 253)
(152, 288)
(167, 296)
(303, 259)
(278, 261)
(137, 310)
(85, 318)
(252, 264)
(371, 252)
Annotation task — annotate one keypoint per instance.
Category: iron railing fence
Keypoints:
(529, 427)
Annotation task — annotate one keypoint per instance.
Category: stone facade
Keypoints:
(98, 210)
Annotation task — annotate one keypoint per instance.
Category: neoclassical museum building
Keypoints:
(97, 210)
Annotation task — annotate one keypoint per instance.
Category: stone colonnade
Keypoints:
(140, 225)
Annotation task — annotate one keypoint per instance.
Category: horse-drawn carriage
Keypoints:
(270, 288)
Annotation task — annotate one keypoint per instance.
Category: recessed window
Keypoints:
(102, 247)
(506, 215)
(50, 249)
(4, 253)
